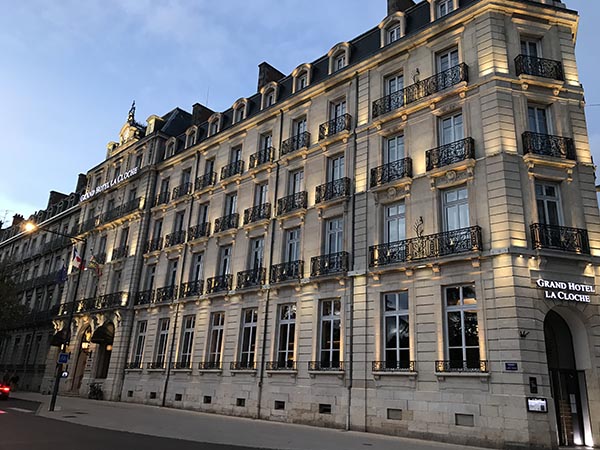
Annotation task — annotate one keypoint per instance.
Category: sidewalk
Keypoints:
(202, 427)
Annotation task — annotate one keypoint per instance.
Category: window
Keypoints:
(116, 281)
(394, 149)
(179, 221)
(266, 141)
(203, 213)
(269, 98)
(150, 273)
(292, 245)
(124, 237)
(172, 272)
(186, 176)
(444, 7)
(164, 185)
(299, 126)
(394, 83)
(217, 321)
(456, 208)
(209, 166)
(337, 109)
(157, 229)
(197, 267)
(393, 33)
(395, 222)
(261, 194)
(161, 342)
(548, 203)
(213, 127)
(286, 336)
(225, 260)
(330, 334)
(140, 341)
(248, 344)
(301, 81)
(236, 154)
(239, 113)
(187, 340)
(451, 129)
(396, 330)
(191, 139)
(301, 77)
(447, 59)
(334, 235)
(462, 339)
(339, 62)
(530, 47)
(335, 168)
(139, 160)
(257, 249)
(538, 119)
(170, 149)
(230, 204)
(296, 182)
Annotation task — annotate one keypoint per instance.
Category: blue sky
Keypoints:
(71, 69)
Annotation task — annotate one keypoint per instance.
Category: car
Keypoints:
(4, 391)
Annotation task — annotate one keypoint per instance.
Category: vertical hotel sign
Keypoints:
(566, 290)
(115, 181)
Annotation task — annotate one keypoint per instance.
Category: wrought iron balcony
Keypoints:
(162, 198)
(120, 252)
(134, 365)
(108, 301)
(144, 297)
(329, 264)
(191, 289)
(232, 169)
(450, 153)
(175, 238)
(88, 225)
(182, 365)
(120, 211)
(251, 278)
(548, 145)
(393, 366)
(389, 172)
(322, 366)
(429, 246)
(574, 240)
(154, 245)
(334, 189)
(421, 89)
(335, 126)
(462, 366)
(294, 143)
(206, 180)
(199, 231)
(182, 190)
(293, 270)
(210, 365)
(222, 283)
(285, 205)
(539, 67)
(256, 213)
(227, 222)
(131, 205)
(55, 244)
(281, 365)
(111, 215)
(157, 365)
(165, 294)
(261, 157)
(242, 365)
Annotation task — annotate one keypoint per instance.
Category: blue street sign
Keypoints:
(63, 358)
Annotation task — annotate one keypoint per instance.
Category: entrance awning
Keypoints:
(104, 335)
(60, 338)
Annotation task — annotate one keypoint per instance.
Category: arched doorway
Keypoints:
(104, 337)
(567, 383)
(82, 357)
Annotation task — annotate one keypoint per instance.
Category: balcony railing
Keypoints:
(450, 153)
(256, 213)
(251, 278)
(120, 252)
(329, 264)
(293, 270)
(322, 366)
(162, 198)
(88, 225)
(548, 145)
(154, 245)
(261, 157)
(335, 126)
(206, 180)
(281, 365)
(191, 289)
(165, 294)
(199, 231)
(175, 238)
(210, 365)
(107, 301)
(389, 172)
(227, 222)
(182, 190)
(421, 89)
(285, 205)
(393, 366)
(294, 143)
(574, 240)
(144, 297)
(222, 283)
(242, 365)
(232, 169)
(430, 246)
(539, 67)
(334, 189)
(461, 366)
(182, 365)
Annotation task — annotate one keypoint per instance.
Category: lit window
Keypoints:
(248, 338)
(330, 334)
(286, 336)
(396, 334)
(217, 322)
(462, 328)
(161, 343)
(187, 341)
(140, 341)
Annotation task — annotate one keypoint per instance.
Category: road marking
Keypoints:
(21, 410)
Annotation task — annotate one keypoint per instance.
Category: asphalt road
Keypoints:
(21, 429)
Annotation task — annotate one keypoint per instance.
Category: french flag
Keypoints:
(76, 260)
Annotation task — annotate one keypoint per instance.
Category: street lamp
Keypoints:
(30, 227)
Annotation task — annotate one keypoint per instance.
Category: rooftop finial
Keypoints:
(131, 117)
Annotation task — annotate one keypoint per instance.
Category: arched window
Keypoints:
(392, 28)
(191, 137)
(170, 148)
(240, 110)
(302, 77)
(269, 94)
(214, 124)
(339, 57)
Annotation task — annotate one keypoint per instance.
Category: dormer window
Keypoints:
(170, 149)
(191, 138)
(393, 34)
(392, 28)
(301, 82)
(339, 56)
(444, 7)
(340, 62)
(238, 115)
(301, 77)
(214, 124)
(240, 110)
(269, 94)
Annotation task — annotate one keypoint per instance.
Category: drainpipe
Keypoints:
(271, 250)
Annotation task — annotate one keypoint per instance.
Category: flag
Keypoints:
(76, 261)
(95, 265)
(61, 276)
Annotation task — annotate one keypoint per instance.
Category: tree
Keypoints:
(12, 312)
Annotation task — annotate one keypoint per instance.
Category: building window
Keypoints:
(396, 330)
(339, 62)
(292, 245)
(394, 83)
(213, 125)
(395, 222)
(217, 321)
(334, 235)
(444, 7)
(140, 341)
(179, 221)
(225, 260)
(451, 129)
(172, 272)
(161, 342)
(170, 149)
(261, 194)
(530, 47)
(335, 168)
(447, 59)
(301, 77)
(286, 337)
(301, 81)
(330, 334)
(456, 208)
(197, 267)
(394, 149)
(230, 204)
(248, 344)
(548, 204)
(462, 339)
(538, 119)
(337, 109)
(296, 183)
(191, 139)
(209, 166)
(150, 273)
(393, 33)
(187, 340)
(239, 113)
(299, 126)
(257, 250)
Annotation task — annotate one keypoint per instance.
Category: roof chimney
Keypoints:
(399, 5)
(200, 113)
(81, 182)
(266, 74)
(17, 219)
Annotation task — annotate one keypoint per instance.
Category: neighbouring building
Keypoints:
(400, 237)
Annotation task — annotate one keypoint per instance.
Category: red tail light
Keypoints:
(5, 389)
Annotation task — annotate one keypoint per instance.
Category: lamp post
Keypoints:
(31, 227)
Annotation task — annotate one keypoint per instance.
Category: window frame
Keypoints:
(458, 203)
(162, 340)
(216, 333)
(335, 320)
(286, 322)
(186, 347)
(462, 308)
(248, 333)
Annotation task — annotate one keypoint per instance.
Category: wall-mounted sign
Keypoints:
(64, 374)
(511, 366)
(566, 290)
(115, 181)
(537, 405)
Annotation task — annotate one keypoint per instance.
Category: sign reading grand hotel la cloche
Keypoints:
(101, 188)
(566, 290)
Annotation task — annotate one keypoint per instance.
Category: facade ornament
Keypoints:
(131, 115)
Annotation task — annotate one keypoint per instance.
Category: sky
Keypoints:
(70, 70)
